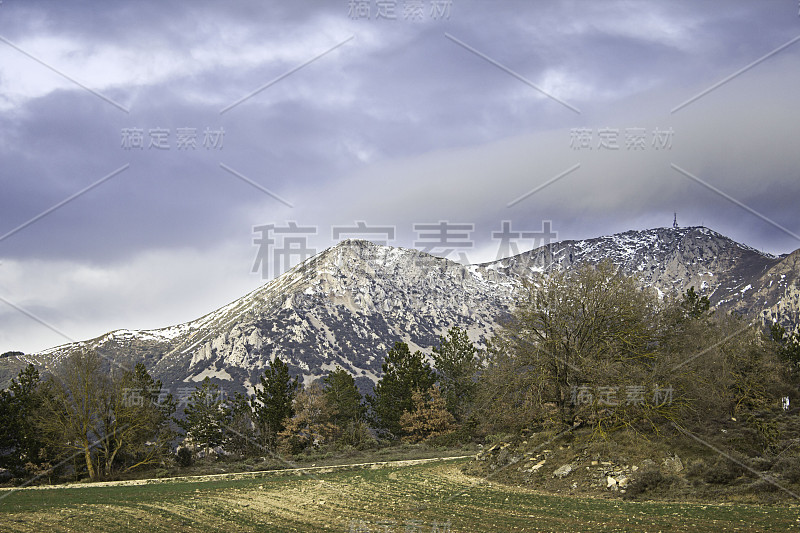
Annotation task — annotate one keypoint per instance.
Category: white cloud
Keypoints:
(155, 289)
(146, 62)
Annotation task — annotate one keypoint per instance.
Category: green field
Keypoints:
(430, 497)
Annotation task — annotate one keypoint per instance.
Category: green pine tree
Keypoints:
(457, 363)
(342, 397)
(241, 430)
(788, 345)
(207, 415)
(694, 305)
(402, 373)
(20, 440)
(273, 402)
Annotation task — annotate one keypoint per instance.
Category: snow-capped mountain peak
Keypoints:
(349, 304)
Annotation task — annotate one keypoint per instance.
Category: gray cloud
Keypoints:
(398, 126)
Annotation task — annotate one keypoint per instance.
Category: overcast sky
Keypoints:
(176, 128)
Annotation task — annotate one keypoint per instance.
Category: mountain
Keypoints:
(735, 277)
(348, 305)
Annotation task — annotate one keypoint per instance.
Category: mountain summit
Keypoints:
(349, 304)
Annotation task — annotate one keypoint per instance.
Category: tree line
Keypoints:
(87, 419)
(589, 347)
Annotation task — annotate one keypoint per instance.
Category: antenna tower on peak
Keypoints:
(675, 221)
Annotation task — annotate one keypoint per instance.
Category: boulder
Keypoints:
(562, 471)
(533, 468)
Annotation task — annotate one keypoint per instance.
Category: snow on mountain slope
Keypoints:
(775, 295)
(670, 259)
(345, 307)
(348, 305)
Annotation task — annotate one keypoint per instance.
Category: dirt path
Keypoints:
(310, 471)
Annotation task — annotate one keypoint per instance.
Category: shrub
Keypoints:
(648, 481)
(184, 457)
(723, 472)
(762, 486)
(498, 438)
(761, 464)
(357, 435)
(788, 468)
(696, 468)
(447, 440)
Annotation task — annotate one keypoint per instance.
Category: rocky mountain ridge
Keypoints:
(349, 304)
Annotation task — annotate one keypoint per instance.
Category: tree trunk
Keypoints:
(87, 452)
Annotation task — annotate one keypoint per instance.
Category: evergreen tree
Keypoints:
(343, 403)
(402, 373)
(9, 446)
(273, 402)
(207, 415)
(342, 398)
(788, 346)
(241, 430)
(457, 364)
(20, 440)
(694, 305)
